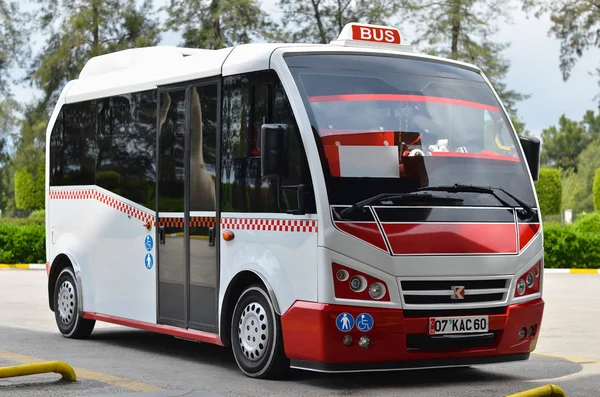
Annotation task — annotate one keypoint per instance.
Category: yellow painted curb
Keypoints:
(23, 266)
(584, 271)
(544, 391)
(57, 367)
(16, 266)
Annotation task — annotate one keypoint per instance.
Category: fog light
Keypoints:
(530, 280)
(530, 331)
(364, 341)
(521, 287)
(536, 271)
(376, 291)
(358, 283)
(342, 275)
(522, 333)
(347, 339)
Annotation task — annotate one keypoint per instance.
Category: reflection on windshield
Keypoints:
(394, 125)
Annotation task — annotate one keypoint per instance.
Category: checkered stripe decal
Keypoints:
(90, 194)
(195, 221)
(273, 225)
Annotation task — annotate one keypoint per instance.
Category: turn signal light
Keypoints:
(529, 282)
(352, 284)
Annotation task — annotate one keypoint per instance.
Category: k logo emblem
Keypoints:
(458, 292)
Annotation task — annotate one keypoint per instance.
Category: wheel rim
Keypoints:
(66, 302)
(253, 331)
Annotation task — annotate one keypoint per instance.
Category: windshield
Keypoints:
(393, 125)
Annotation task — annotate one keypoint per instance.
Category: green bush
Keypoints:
(29, 190)
(596, 190)
(38, 215)
(565, 247)
(588, 223)
(22, 241)
(549, 191)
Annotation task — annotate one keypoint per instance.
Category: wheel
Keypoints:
(66, 308)
(256, 337)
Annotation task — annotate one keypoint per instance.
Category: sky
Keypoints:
(534, 69)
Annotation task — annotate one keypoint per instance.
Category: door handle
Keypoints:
(211, 236)
(161, 234)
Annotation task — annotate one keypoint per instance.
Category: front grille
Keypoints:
(434, 299)
(459, 342)
(424, 294)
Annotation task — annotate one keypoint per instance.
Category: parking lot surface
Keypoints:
(120, 361)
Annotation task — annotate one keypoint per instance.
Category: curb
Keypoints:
(572, 271)
(24, 266)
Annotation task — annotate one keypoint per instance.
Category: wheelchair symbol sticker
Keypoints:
(148, 243)
(344, 322)
(364, 322)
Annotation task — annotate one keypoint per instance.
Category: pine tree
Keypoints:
(214, 24)
(321, 21)
(78, 30)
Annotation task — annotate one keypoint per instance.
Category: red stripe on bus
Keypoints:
(527, 232)
(365, 231)
(451, 238)
(401, 97)
(158, 328)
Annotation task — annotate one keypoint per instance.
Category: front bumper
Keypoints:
(399, 340)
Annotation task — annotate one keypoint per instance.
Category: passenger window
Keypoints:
(249, 102)
(76, 165)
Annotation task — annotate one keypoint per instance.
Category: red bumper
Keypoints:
(311, 338)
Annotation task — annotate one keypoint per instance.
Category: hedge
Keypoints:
(596, 190)
(549, 191)
(22, 241)
(566, 247)
(588, 223)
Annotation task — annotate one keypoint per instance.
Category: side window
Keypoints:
(126, 146)
(78, 145)
(171, 160)
(249, 101)
(57, 162)
(203, 142)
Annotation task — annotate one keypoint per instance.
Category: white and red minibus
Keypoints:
(354, 206)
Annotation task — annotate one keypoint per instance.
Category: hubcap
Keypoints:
(66, 302)
(253, 331)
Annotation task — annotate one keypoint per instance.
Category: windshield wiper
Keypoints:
(526, 214)
(394, 196)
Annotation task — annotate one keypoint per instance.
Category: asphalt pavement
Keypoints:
(124, 362)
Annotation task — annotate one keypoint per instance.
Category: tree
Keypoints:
(214, 24)
(78, 30)
(321, 21)
(596, 190)
(13, 41)
(29, 189)
(571, 187)
(8, 111)
(562, 145)
(575, 23)
(587, 164)
(549, 191)
(462, 30)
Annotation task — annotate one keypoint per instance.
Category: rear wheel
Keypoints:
(66, 308)
(256, 337)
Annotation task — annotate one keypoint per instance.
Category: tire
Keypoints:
(258, 351)
(67, 312)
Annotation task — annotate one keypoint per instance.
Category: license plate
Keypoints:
(458, 325)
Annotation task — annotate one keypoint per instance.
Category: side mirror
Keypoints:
(273, 141)
(531, 148)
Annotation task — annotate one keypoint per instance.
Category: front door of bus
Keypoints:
(187, 206)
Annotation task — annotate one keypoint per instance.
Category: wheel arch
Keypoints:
(61, 262)
(238, 284)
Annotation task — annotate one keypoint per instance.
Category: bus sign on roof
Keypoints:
(376, 34)
(363, 35)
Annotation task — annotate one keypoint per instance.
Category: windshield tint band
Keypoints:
(444, 215)
(401, 98)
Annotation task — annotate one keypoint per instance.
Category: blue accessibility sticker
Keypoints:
(149, 261)
(364, 322)
(344, 322)
(149, 243)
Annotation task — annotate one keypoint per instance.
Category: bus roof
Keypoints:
(146, 68)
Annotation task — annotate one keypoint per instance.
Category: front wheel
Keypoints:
(66, 308)
(256, 337)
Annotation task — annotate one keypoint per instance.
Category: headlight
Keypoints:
(530, 279)
(521, 287)
(376, 291)
(358, 283)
